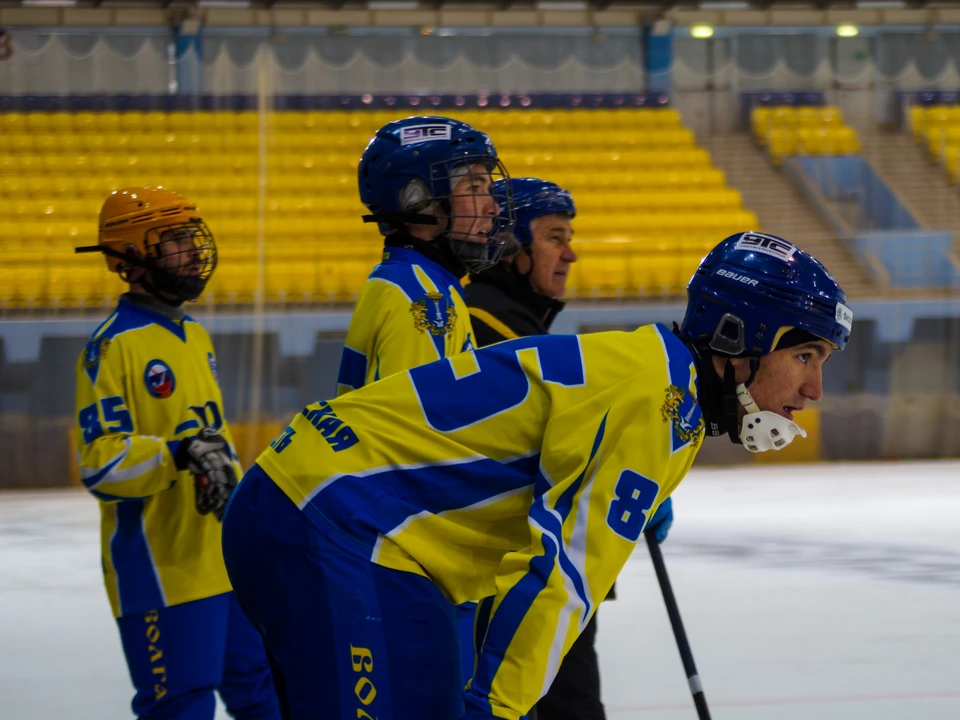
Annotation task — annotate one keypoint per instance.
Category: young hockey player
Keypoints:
(155, 450)
(429, 185)
(525, 471)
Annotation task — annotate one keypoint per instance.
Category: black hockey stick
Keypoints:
(699, 700)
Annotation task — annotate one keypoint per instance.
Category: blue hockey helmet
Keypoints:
(753, 288)
(533, 198)
(409, 171)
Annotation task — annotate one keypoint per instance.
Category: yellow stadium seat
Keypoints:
(13, 122)
(70, 143)
(247, 121)
(759, 122)
(181, 122)
(241, 142)
(18, 143)
(813, 141)
(108, 122)
(11, 185)
(31, 164)
(39, 122)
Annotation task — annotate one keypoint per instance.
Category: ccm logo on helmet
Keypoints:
(844, 316)
(766, 244)
(421, 133)
(738, 278)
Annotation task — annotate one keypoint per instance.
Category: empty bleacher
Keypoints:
(651, 203)
(937, 127)
(787, 130)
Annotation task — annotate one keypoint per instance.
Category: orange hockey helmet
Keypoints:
(160, 232)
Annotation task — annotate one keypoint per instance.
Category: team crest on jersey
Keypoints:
(159, 379)
(682, 410)
(95, 352)
(213, 367)
(434, 314)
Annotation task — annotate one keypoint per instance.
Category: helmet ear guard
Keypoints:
(729, 337)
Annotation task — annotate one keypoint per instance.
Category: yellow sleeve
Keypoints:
(115, 462)
(584, 522)
(384, 338)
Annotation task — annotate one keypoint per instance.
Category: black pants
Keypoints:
(575, 693)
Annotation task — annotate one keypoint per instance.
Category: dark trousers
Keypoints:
(575, 693)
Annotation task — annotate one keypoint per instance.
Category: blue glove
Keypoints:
(660, 523)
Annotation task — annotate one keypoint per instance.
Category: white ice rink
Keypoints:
(825, 592)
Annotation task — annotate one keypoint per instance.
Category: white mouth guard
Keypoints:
(762, 430)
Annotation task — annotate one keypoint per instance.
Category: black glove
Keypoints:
(207, 456)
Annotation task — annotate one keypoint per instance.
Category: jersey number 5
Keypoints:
(634, 496)
(452, 403)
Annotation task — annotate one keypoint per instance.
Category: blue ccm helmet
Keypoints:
(753, 288)
(412, 163)
(533, 198)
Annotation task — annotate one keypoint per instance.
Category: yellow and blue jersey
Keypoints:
(410, 312)
(525, 470)
(144, 383)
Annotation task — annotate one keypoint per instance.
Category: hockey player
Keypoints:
(428, 183)
(527, 471)
(519, 297)
(154, 449)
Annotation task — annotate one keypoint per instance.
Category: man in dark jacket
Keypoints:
(520, 297)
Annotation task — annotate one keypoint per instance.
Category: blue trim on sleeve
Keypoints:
(353, 368)
(107, 497)
(92, 481)
(173, 446)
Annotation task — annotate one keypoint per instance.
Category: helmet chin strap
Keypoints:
(762, 430)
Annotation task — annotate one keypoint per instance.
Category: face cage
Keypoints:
(477, 248)
(175, 267)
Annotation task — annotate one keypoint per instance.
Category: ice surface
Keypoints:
(828, 591)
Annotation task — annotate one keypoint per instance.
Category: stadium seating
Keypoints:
(650, 201)
(938, 128)
(802, 130)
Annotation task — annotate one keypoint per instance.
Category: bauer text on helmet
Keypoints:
(762, 318)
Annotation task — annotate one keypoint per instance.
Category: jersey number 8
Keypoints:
(634, 496)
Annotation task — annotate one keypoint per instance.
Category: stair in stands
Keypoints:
(921, 185)
(782, 210)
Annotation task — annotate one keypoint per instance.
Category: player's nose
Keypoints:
(491, 206)
(812, 387)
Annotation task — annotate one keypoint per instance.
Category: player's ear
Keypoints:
(742, 367)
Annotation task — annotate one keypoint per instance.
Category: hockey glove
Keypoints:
(207, 456)
(660, 523)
